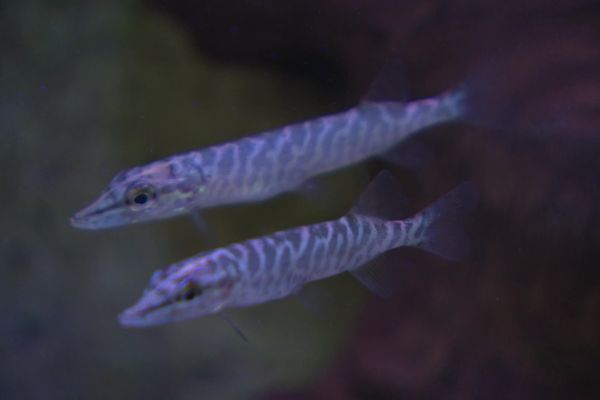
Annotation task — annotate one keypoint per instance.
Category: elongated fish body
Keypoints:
(277, 265)
(259, 167)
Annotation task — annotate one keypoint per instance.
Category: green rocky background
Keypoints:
(88, 89)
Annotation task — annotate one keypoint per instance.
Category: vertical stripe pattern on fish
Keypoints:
(258, 167)
(277, 265)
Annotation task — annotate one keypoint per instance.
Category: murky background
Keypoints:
(90, 88)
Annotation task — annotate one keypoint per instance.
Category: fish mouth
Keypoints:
(143, 315)
(84, 222)
(81, 221)
(140, 316)
(133, 317)
(96, 218)
(132, 320)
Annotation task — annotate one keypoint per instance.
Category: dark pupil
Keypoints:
(189, 294)
(141, 198)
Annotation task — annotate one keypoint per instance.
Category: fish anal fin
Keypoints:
(233, 326)
(376, 278)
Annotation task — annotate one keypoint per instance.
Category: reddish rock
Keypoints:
(520, 320)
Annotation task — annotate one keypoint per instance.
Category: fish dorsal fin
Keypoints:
(390, 83)
(376, 278)
(382, 198)
(413, 154)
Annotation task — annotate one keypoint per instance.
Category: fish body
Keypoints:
(279, 264)
(262, 166)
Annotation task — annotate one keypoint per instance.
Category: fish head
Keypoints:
(190, 289)
(159, 190)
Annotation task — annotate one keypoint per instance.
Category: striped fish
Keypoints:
(278, 265)
(259, 167)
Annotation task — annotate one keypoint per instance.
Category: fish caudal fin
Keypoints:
(455, 103)
(442, 225)
(443, 232)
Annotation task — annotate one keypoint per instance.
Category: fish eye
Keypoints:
(140, 197)
(190, 292)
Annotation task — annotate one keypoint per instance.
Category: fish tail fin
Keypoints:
(438, 229)
(455, 102)
(481, 100)
(443, 223)
(503, 94)
(440, 224)
(488, 97)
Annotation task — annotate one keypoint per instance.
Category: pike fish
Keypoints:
(258, 167)
(278, 265)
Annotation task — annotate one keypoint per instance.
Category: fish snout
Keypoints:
(98, 215)
(130, 319)
(80, 220)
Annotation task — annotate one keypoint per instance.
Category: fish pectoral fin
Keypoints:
(233, 326)
(376, 278)
(208, 234)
